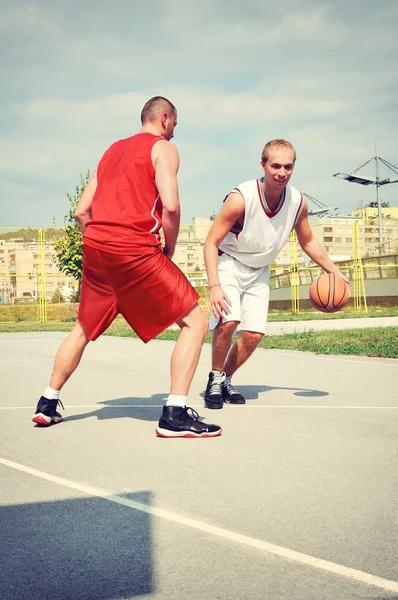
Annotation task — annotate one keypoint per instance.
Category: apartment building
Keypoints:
(20, 270)
(20, 261)
(189, 255)
(336, 234)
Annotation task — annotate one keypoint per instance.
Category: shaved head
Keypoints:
(155, 107)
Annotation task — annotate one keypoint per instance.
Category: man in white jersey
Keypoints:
(250, 230)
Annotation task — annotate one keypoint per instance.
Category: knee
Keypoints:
(226, 330)
(252, 338)
(203, 325)
(197, 322)
(80, 333)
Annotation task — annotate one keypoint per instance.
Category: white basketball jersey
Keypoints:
(264, 232)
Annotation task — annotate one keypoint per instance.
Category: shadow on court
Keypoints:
(251, 392)
(142, 409)
(78, 548)
(122, 408)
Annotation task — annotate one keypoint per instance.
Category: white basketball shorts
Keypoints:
(248, 290)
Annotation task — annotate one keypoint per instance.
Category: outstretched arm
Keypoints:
(312, 247)
(166, 162)
(232, 210)
(83, 209)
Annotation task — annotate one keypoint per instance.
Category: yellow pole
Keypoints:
(294, 273)
(359, 284)
(42, 262)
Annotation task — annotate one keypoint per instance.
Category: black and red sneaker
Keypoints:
(178, 422)
(46, 412)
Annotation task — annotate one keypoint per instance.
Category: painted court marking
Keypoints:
(226, 534)
(319, 406)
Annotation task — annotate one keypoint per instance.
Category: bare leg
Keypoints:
(241, 351)
(68, 356)
(185, 357)
(221, 344)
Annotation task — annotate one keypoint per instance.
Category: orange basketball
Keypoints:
(329, 292)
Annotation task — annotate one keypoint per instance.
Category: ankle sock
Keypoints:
(51, 394)
(174, 400)
(219, 375)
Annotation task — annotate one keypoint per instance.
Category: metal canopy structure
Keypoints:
(321, 208)
(354, 178)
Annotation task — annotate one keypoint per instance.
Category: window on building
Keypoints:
(339, 249)
(328, 229)
(328, 239)
(348, 240)
(349, 248)
(338, 240)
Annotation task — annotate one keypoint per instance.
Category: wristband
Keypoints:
(214, 285)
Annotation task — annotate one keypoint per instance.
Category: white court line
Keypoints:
(200, 406)
(226, 534)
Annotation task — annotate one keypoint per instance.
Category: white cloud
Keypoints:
(321, 75)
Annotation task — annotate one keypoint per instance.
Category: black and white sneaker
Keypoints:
(214, 390)
(184, 423)
(230, 394)
(46, 412)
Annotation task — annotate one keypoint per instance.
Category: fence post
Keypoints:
(294, 276)
(42, 262)
(359, 285)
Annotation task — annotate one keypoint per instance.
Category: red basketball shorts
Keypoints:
(149, 291)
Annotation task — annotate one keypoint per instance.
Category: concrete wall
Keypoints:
(379, 292)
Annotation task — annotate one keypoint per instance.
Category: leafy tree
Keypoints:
(69, 248)
(57, 297)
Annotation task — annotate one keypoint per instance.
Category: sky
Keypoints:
(76, 74)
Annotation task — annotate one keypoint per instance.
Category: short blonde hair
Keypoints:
(276, 144)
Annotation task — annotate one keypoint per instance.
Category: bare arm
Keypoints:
(166, 162)
(83, 209)
(312, 247)
(232, 210)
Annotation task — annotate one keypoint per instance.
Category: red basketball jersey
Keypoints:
(126, 209)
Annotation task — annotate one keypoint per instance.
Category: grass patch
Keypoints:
(67, 312)
(373, 341)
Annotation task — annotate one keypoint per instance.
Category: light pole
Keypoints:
(353, 178)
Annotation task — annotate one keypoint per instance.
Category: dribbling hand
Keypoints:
(219, 302)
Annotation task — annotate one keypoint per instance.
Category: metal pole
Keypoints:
(379, 211)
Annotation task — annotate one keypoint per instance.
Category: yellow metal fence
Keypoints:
(29, 275)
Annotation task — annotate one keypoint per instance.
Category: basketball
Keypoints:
(329, 293)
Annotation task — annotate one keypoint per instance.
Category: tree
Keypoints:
(69, 248)
(57, 297)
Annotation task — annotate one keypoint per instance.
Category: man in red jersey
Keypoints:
(132, 194)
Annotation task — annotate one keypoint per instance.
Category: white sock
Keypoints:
(51, 394)
(174, 400)
(218, 375)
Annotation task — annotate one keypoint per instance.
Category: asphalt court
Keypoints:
(297, 499)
